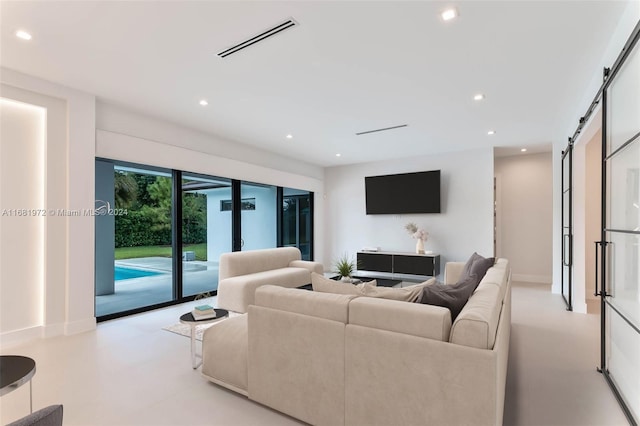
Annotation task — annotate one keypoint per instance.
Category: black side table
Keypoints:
(15, 371)
(192, 322)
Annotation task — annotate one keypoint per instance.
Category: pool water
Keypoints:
(122, 273)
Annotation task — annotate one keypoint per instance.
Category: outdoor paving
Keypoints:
(199, 277)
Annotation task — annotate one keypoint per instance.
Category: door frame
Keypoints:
(567, 238)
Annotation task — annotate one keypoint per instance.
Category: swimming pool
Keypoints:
(123, 273)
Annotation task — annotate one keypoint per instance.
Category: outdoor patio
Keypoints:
(198, 277)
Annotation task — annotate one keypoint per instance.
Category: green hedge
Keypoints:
(138, 229)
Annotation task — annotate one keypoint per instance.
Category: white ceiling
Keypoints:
(348, 67)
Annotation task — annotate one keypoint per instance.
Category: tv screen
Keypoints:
(403, 193)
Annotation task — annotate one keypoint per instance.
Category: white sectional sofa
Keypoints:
(336, 359)
(242, 272)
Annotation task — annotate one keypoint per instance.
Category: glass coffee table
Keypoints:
(15, 371)
(192, 322)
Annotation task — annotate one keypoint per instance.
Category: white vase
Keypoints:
(419, 246)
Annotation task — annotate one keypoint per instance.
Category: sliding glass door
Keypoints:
(206, 230)
(163, 232)
(138, 271)
(620, 261)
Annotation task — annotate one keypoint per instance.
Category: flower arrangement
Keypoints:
(417, 233)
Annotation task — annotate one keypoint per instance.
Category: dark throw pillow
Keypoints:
(453, 297)
(476, 265)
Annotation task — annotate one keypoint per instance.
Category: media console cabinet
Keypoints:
(406, 266)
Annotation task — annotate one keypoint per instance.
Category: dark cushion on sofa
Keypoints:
(477, 265)
(453, 297)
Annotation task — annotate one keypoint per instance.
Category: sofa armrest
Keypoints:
(452, 271)
(306, 264)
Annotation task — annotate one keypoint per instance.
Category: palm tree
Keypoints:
(125, 188)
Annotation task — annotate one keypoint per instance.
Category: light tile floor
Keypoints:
(131, 372)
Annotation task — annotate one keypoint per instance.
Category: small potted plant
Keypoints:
(345, 266)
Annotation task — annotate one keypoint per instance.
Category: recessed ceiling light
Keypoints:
(523, 150)
(478, 97)
(289, 136)
(491, 132)
(338, 155)
(23, 35)
(204, 102)
(449, 14)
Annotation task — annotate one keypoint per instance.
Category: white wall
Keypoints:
(172, 148)
(579, 238)
(22, 136)
(259, 225)
(67, 293)
(218, 224)
(526, 215)
(464, 226)
(592, 208)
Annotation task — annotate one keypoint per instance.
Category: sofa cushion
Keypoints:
(476, 265)
(404, 294)
(432, 322)
(326, 285)
(329, 306)
(369, 289)
(452, 297)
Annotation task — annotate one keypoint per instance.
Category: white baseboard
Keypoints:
(16, 337)
(53, 330)
(541, 279)
(81, 326)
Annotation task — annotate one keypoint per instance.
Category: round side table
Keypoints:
(192, 322)
(15, 371)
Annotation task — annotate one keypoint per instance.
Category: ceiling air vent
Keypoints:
(289, 23)
(381, 130)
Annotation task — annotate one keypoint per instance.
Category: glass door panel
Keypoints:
(297, 226)
(142, 270)
(623, 353)
(206, 231)
(624, 281)
(623, 186)
(623, 106)
(258, 216)
(621, 334)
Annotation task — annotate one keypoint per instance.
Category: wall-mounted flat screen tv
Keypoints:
(403, 193)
